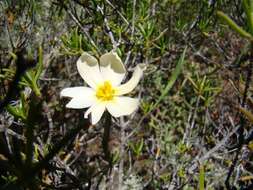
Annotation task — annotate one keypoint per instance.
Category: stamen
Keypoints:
(105, 92)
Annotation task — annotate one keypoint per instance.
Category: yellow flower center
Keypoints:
(105, 92)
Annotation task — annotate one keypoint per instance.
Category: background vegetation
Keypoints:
(194, 127)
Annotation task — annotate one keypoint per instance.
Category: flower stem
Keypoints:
(106, 137)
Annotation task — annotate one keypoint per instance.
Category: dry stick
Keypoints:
(8, 141)
(115, 45)
(16, 135)
(123, 126)
(133, 19)
(191, 123)
(80, 25)
(123, 140)
(58, 146)
(186, 134)
(119, 13)
(50, 122)
(241, 128)
(132, 32)
(9, 36)
(121, 155)
(208, 154)
(198, 161)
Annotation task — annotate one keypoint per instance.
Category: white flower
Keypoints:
(105, 91)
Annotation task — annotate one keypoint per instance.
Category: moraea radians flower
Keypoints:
(105, 91)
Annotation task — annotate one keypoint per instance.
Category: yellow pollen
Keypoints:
(105, 92)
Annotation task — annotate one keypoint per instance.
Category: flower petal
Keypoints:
(88, 68)
(82, 97)
(122, 106)
(112, 68)
(132, 83)
(96, 111)
(76, 91)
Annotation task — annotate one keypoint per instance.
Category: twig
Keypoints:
(123, 18)
(133, 19)
(75, 19)
(114, 44)
(50, 122)
(58, 146)
(240, 129)
(208, 154)
(132, 33)
(123, 140)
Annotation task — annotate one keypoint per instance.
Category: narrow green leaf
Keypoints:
(140, 146)
(248, 10)
(172, 79)
(12, 110)
(234, 26)
(250, 16)
(28, 77)
(13, 55)
(201, 177)
(16, 112)
(246, 7)
(40, 65)
(246, 113)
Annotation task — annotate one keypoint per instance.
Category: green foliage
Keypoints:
(137, 147)
(204, 89)
(248, 9)
(234, 26)
(20, 111)
(31, 77)
(73, 43)
(201, 178)
(9, 180)
(172, 80)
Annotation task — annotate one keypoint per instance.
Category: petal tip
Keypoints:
(88, 59)
(69, 105)
(111, 58)
(142, 66)
(86, 114)
(63, 92)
